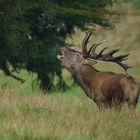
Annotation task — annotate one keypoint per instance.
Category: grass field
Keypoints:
(27, 114)
(63, 117)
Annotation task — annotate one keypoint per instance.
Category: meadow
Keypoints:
(63, 117)
(27, 114)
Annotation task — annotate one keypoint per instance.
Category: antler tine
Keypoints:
(113, 51)
(84, 43)
(121, 57)
(125, 66)
(101, 52)
(93, 49)
(118, 59)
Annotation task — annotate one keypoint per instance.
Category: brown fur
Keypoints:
(107, 89)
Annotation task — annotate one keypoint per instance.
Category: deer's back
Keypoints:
(120, 87)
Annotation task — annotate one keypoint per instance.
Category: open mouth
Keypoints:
(60, 56)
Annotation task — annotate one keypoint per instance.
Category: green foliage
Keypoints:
(136, 3)
(32, 32)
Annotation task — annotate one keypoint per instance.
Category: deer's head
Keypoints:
(72, 59)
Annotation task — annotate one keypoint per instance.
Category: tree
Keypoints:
(32, 32)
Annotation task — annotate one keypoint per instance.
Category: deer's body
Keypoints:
(105, 88)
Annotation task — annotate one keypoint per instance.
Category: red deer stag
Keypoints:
(106, 89)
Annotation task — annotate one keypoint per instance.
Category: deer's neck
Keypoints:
(84, 76)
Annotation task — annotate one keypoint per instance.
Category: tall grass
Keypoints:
(47, 117)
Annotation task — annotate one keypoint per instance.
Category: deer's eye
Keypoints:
(77, 55)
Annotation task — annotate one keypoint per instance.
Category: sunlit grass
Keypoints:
(63, 117)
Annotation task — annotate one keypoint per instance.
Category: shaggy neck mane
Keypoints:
(82, 75)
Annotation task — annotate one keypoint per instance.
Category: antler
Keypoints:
(84, 43)
(104, 57)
